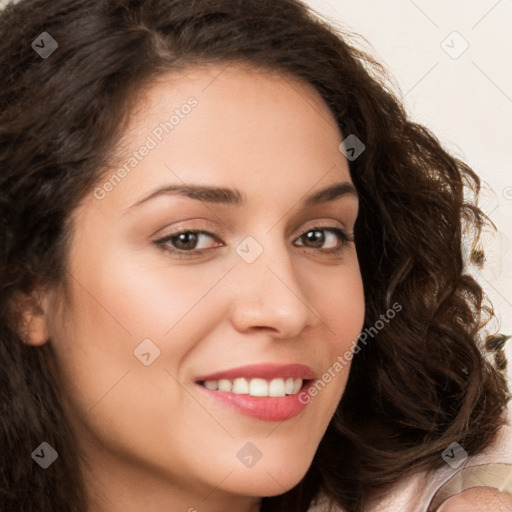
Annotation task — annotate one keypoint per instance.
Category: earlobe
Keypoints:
(33, 327)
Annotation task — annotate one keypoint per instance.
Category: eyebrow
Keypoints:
(233, 197)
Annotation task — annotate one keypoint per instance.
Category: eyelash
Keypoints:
(342, 235)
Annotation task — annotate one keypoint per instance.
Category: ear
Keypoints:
(31, 319)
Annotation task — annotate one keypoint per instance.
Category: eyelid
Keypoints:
(323, 224)
(191, 225)
(204, 226)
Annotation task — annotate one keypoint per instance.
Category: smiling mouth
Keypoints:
(257, 387)
(277, 399)
(265, 391)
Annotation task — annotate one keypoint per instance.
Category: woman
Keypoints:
(232, 269)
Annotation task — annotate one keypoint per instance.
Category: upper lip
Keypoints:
(264, 371)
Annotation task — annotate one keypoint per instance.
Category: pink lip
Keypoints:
(263, 371)
(260, 407)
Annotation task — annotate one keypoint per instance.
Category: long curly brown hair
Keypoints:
(422, 383)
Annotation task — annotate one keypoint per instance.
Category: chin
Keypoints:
(275, 477)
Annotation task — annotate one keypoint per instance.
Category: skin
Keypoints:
(150, 437)
(478, 499)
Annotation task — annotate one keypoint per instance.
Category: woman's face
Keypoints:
(269, 293)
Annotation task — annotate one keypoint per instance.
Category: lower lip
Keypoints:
(262, 407)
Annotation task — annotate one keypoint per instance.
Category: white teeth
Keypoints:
(225, 385)
(240, 386)
(288, 387)
(256, 387)
(276, 387)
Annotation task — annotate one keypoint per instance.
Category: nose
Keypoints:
(270, 294)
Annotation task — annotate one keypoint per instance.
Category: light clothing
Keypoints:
(416, 493)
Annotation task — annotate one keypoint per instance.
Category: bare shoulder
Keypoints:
(484, 499)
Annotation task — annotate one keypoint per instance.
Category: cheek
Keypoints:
(120, 301)
(127, 298)
(340, 301)
(109, 392)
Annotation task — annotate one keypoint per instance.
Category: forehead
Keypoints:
(234, 101)
(238, 127)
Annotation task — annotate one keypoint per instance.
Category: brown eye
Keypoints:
(185, 242)
(188, 243)
(317, 238)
